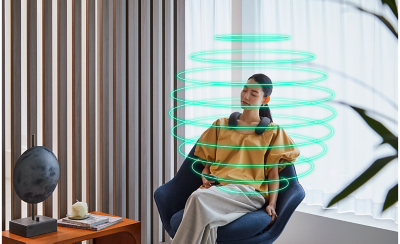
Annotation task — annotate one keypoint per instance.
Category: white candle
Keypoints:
(79, 209)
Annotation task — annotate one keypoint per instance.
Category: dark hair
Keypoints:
(263, 79)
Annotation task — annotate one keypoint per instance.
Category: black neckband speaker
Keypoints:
(265, 121)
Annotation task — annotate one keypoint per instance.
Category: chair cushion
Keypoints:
(247, 226)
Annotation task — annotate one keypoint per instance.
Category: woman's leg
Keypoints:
(206, 209)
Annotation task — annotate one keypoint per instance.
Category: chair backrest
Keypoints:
(185, 176)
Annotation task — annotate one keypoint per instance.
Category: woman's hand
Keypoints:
(207, 183)
(271, 212)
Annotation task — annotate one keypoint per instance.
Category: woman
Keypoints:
(211, 206)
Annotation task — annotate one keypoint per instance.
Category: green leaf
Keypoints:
(376, 126)
(391, 198)
(391, 140)
(387, 23)
(364, 177)
(392, 5)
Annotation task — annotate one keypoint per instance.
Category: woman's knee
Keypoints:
(198, 194)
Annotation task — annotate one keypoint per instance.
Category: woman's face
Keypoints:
(251, 95)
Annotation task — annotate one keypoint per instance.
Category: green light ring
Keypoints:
(263, 164)
(249, 181)
(252, 37)
(258, 181)
(208, 104)
(323, 77)
(173, 129)
(313, 121)
(307, 56)
(258, 147)
(300, 144)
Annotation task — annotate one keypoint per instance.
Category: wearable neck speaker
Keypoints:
(264, 122)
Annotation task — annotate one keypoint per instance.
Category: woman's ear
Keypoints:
(266, 100)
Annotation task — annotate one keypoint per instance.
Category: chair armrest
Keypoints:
(287, 203)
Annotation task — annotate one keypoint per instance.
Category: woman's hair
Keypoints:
(263, 79)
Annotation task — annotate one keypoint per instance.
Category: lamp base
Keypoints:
(27, 227)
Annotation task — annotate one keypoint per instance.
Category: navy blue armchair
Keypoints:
(172, 196)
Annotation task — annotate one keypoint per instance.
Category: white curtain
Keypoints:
(358, 53)
(205, 20)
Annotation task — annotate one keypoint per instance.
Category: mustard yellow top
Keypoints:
(274, 136)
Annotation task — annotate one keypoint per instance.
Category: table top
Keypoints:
(69, 234)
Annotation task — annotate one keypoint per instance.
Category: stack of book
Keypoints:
(93, 222)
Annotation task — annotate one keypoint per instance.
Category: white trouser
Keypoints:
(208, 208)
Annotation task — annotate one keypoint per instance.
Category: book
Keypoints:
(112, 221)
(91, 221)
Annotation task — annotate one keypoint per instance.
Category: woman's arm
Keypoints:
(273, 196)
(206, 169)
(273, 175)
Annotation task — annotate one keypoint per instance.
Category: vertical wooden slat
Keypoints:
(101, 161)
(3, 124)
(157, 109)
(150, 206)
(90, 106)
(15, 100)
(145, 119)
(179, 65)
(132, 122)
(106, 151)
(31, 78)
(47, 89)
(76, 100)
(119, 107)
(62, 60)
(168, 140)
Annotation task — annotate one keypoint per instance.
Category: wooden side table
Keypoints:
(127, 231)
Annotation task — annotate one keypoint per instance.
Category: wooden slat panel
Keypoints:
(179, 65)
(168, 82)
(62, 60)
(106, 153)
(119, 111)
(157, 109)
(3, 124)
(47, 89)
(15, 100)
(31, 78)
(145, 160)
(132, 166)
(76, 100)
(90, 106)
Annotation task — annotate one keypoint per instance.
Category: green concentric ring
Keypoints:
(322, 75)
(207, 125)
(212, 102)
(197, 57)
(252, 37)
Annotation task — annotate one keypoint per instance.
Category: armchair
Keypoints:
(171, 198)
